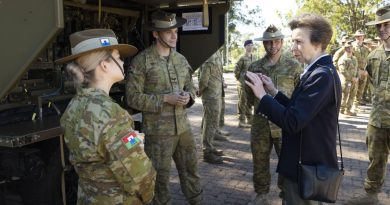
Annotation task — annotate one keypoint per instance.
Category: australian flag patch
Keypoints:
(105, 42)
(130, 140)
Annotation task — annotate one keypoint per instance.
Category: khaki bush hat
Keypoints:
(348, 43)
(382, 15)
(88, 41)
(161, 21)
(271, 33)
(359, 33)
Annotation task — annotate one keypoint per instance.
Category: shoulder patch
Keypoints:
(130, 140)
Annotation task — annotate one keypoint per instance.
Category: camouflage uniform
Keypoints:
(167, 128)
(110, 172)
(210, 86)
(244, 110)
(337, 55)
(348, 70)
(264, 134)
(360, 52)
(378, 130)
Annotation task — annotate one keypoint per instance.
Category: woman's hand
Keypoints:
(256, 84)
(268, 84)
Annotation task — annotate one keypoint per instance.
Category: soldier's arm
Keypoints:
(356, 68)
(238, 68)
(125, 156)
(190, 87)
(342, 68)
(135, 96)
(204, 77)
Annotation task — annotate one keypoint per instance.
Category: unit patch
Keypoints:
(130, 140)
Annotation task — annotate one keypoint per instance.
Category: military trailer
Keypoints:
(34, 91)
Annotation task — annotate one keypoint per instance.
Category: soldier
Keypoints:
(348, 69)
(378, 128)
(105, 151)
(160, 85)
(360, 52)
(244, 110)
(284, 72)
(210, 89)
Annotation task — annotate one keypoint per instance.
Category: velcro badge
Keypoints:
(130, 140)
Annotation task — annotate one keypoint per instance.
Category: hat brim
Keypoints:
(372, 23)
(179, 22)
(358, 35)
(125, 50)
(269, 39)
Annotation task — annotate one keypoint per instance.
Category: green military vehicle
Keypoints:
(34, 91)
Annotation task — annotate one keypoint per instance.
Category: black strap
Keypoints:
(338, 127)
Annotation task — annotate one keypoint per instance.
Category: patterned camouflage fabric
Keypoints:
(378, 130)
(337, 55)
(110, 170)
(210, 86)
(348, 70)
(264, 134)
(360, 52)
(167, 128)
(244, 110)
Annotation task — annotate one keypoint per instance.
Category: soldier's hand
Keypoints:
(268, 84)
(355, 80)
(172, 98)
(184, 98)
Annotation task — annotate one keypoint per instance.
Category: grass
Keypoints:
(228, 68)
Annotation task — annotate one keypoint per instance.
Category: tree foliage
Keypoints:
(346, 16)
(240, 13)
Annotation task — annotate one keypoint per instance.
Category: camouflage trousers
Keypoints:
(161, 150)
(262, 143)
(112, 195)
(210, 122)
(244, 110)
(349, 94)
(360, 88)
(222, 113)
(378, 143)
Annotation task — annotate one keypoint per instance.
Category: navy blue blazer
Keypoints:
(313, 110)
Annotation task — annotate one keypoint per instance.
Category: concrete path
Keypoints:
(231, 182)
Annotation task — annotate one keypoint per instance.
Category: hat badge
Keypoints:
(105, 42)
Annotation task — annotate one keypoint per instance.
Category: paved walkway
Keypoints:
(231, 182)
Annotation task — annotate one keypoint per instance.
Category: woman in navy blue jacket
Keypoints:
(312, 108)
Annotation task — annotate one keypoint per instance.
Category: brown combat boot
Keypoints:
(212, 158)
(364, 199)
